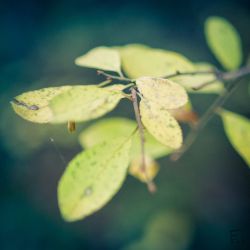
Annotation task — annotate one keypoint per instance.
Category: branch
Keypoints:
(205, 119)
(219, 75)
(112, 77)
(150, 183)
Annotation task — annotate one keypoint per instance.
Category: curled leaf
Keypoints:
(161, 124)
(92, 178)
(103, 58)
(165, 93)
(33, 105)
(185, 114)
(151, 168)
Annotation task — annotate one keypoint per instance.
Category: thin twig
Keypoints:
(190, 73)
(150, 183)
(112, 77)
(191, 137)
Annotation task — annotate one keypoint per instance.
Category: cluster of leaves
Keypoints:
(113, 146)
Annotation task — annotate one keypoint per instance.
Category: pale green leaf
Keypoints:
(237, 129)
(103, 58)
(111, 128)
(224, 41)
(139, 60)
(86, 102)
(161, 124)
(92, 178)
(33, 105)
(191, 81)
(166, 93)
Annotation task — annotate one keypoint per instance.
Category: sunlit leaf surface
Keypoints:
(33, 105)
(92, 178)
(224, 41)
(140, 60)
(111, 128)
(237, 129)
(161, 124)
(103, 58)
(166, 93)
(82, 103)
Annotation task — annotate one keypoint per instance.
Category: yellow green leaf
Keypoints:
(224, 41)
(151, 168)
(192, 81)
(82, 103)
(33, 105)
(161, 124)
(237, 129)
(140, 60)
(103, 58)
(92, 178)
(166, 93)
(111, 128)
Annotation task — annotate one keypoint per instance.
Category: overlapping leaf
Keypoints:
(224, 41)
(103, 58)
(192, 81)
(111, 128)
(161, 124)
(139, 60)
(151, 168)
(33, 105)
(92, 178)
(82, 103)
(237, 129)
(165, 93)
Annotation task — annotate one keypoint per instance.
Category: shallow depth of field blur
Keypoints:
(201, 199)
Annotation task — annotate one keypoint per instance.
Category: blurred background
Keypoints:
(202, 200)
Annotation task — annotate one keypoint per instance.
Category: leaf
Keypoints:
(92, 178)
(161, 124)
(103, 58)
(191, 81)
(86, 102)
(185, 114)
(224, 41)
(139, 60)
(33, 105)
(165, 93)
(152, 168)
(237, 129)
(112, 128)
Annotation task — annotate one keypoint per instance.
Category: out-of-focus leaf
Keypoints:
(224, 41)
(92, 178)
(185, 114)
(33, 105)
(191, 81)
(161, 124)
(103, 58)
(152, 168)
(82, 103)
(166, 230)
(112, 128)
(237, 129)
(140, 60)
(165, 93)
